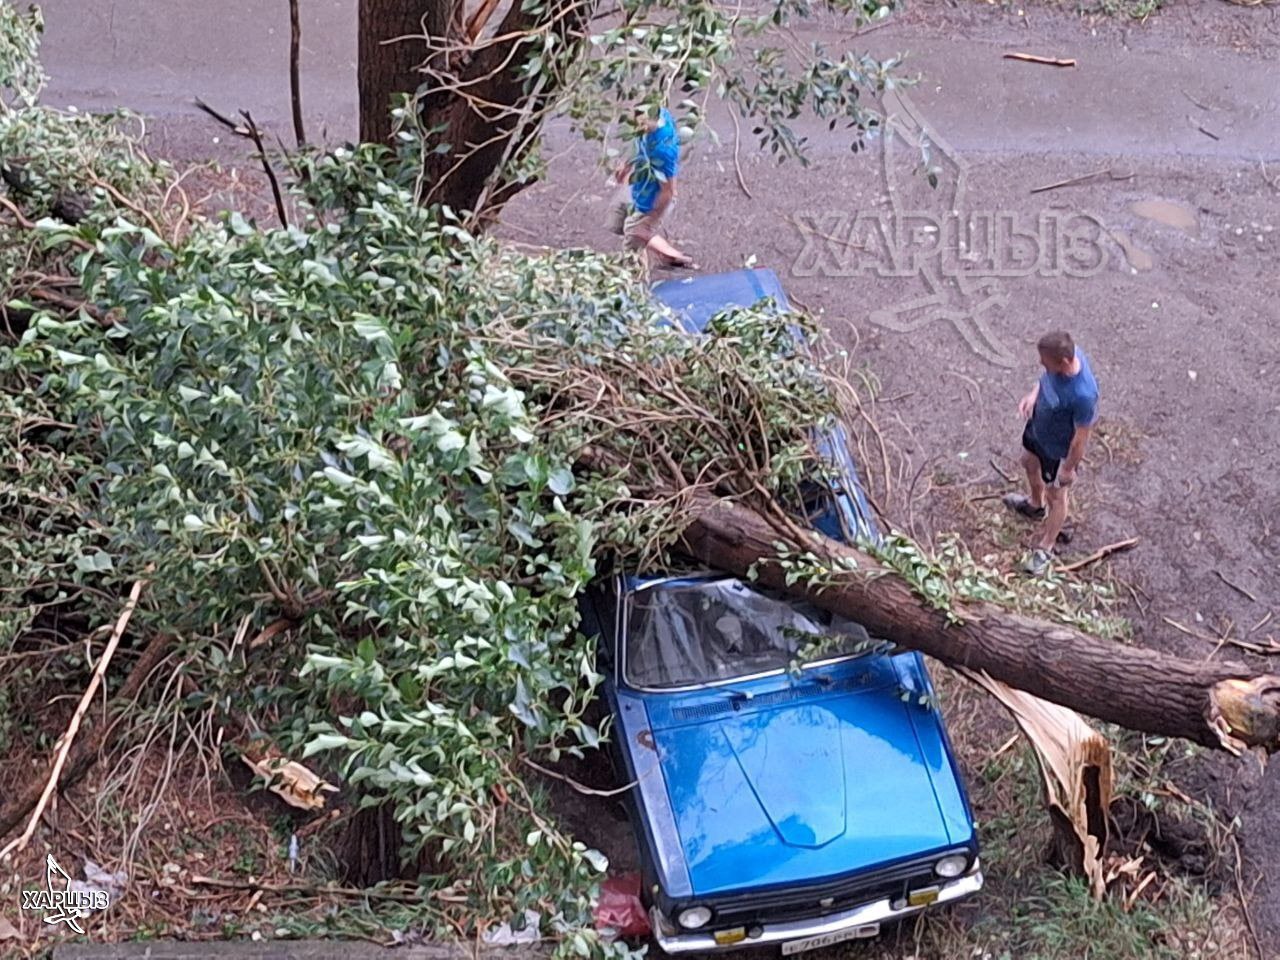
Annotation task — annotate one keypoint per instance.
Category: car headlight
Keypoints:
(694, 917)
(952, 866)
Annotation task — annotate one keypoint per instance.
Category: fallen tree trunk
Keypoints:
(1225, 705)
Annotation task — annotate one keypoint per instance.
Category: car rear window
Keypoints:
(693, 632)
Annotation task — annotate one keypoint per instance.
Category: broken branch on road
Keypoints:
(1047, 61)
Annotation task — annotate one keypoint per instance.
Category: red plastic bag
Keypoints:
(620, 907)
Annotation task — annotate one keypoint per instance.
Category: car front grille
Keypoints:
(807, 902)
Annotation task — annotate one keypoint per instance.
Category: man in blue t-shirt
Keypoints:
(652, 173)
(1060, 414)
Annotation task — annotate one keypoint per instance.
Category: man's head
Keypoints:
(1057, 351)
(648, 117)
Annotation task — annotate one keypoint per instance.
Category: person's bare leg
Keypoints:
(1034, 481)
(1056, 517)
(659, 245)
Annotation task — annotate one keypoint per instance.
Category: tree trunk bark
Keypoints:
(1226, 705)
(385, 69)
(496, 117)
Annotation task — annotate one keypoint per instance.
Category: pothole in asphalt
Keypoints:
(1169, 213)
(1138, 258)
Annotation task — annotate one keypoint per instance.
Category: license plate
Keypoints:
(827, 939)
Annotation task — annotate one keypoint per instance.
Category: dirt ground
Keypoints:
(1176, 311)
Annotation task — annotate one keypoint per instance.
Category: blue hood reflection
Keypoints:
(816, 787)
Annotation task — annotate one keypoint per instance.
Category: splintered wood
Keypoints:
(1075, 762)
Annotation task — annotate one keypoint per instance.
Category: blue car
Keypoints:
(777, 800)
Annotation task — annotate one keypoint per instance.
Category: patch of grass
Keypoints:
(1131, 9)
(1134, 9)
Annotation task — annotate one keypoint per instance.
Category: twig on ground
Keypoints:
(1195, 101)
(1099, 554)
(266, 165)
(996, 467)
(871, 28)
(1208, 133)
(74, 726)
(1006, 746)
(737, 163)
(1070, 181)
(1265, 649)
(1260, 624)
(1244, 901)
(985, 496)
(1235, 586)
(1137, 600)
(803, 228)
(1188, 631)
(1047, 61)
(295, 83)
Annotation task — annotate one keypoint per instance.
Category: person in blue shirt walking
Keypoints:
(652, 173)
(1060, 413)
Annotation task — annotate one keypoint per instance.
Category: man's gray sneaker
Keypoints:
(1038, 563)
(1021, 505)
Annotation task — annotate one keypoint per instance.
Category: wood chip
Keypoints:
(291, 781)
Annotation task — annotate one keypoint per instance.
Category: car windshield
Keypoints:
(693, 632)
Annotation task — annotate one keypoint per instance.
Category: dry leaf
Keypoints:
(291, 781)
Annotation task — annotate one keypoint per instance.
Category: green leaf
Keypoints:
(560, 482)
(96, 562)
(325, 741)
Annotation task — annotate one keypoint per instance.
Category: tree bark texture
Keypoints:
(1225, 705)
(486, 112)
(387, 65)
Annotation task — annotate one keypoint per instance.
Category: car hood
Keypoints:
(811, 789)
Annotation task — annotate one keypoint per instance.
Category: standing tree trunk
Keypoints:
(484, 113)
(384, 68)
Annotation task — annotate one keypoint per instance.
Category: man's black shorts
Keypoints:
(1048, 465)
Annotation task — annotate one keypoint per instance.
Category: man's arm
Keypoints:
(1067, 472)
(666, 191)
(1027, 405)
